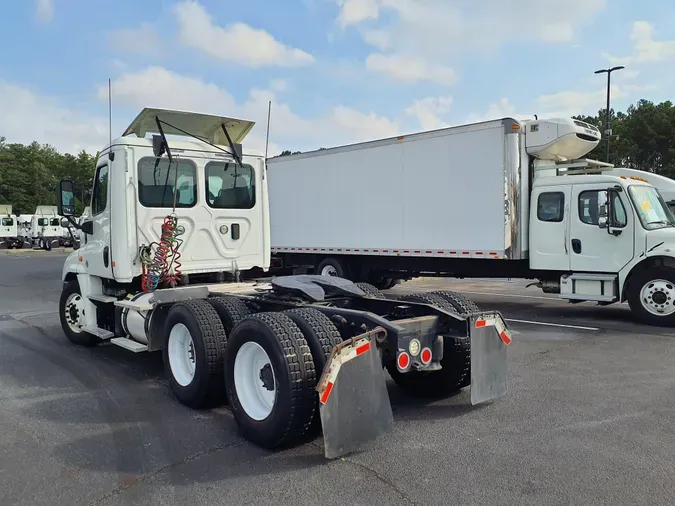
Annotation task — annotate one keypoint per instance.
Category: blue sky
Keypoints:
(336, 71)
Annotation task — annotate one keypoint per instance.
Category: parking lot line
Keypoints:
(578, 327)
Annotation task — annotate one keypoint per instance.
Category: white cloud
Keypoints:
(159, 87)
(572, 102)
(503, 108)
(409, 69)
(431, 32)
(28, 116)
(646, 48)
(44, 10)
(279, 85)
(143, 40)
(429, 111)
(237, 42)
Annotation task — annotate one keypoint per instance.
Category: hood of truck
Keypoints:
(661, 240)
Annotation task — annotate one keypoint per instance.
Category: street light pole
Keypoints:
(608, 131)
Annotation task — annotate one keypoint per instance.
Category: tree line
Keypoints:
(643, 137)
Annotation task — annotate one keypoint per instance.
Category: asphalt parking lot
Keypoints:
(589, 418)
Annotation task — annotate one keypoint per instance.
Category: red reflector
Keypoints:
(480, 323)
(403, 360)
(326, 393)
(505, 337)
(426, 356)
(362, 349)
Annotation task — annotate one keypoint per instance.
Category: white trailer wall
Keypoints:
(440, 191)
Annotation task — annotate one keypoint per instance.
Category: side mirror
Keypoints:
(87, 227)
(65, 199)
(603, 213)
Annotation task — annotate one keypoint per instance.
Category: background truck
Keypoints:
(9, 230)
(500, 199)
(45, 228)
(169, 218)
(25, 222)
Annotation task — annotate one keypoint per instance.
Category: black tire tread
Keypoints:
(231, 310)
(325, 332)
(370, 290)
(301, 371)
(214, 341)
(461, 303)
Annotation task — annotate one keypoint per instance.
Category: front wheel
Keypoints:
(651, 296)
(71, 310)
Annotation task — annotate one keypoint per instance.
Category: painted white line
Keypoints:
(578, 327)
(500, 294)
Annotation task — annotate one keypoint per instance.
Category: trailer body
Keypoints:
(502, 199)
(174, 224)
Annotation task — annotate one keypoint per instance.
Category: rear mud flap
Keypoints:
(489, 339)
(353, 398)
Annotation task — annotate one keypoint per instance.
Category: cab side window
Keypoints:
(551, 207)
(99, 199)
(590, 203)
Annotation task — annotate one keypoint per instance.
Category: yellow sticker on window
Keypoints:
(646, 205)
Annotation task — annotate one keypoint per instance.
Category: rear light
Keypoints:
(426, 356)
(403, 361)
(414, 347)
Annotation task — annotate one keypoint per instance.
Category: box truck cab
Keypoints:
(598, 233)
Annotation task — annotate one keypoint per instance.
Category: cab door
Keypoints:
(96, 252)
(549, 228)
(596, 249)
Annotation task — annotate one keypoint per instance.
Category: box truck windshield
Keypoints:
(650, 207)
(7, 222)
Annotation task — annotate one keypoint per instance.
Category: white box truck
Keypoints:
(502, 198)
(9, 232)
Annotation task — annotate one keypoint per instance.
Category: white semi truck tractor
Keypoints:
(500, 199)
(9, 229)
(172, 226)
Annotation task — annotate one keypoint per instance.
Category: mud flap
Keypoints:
(489, 339)
(353, 399)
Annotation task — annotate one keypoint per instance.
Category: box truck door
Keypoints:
(594, 249)
(549, 222)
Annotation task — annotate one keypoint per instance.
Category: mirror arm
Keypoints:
(75, 225)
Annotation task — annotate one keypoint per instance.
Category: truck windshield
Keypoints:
(7, 222)
(54, 222)
(42, 222)
(651, 208)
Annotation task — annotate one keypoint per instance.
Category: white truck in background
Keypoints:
(500, 199)
(9, 231)
(665, 185)
(45, 228)
(25, 222)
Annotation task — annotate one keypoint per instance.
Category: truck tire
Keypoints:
(651, 296)
(456, 362)
(230, 309)
(332, 267)
(371, 290)
(462, 304)
(386, 283)
(193, 354)
(69, 315)
(271, 380)
(320, 333)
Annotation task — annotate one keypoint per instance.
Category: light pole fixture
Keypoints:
(608, 131)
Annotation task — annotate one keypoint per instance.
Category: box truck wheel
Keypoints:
(456, 362)
(70, 313)
(651, 296)
(193, 353)
(333, 267)
(270, 378)
(230, 309)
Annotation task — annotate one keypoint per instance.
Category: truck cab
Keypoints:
(9, 233)
(598, 233)
(220, 206)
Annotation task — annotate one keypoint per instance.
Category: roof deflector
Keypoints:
(204, 126)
